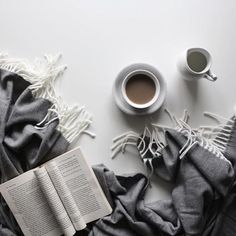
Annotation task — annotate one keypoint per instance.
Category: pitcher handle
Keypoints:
(210, 76)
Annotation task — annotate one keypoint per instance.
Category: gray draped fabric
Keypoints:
(203, 198)
(22, 146)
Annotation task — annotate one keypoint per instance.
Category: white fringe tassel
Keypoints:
(204, 136)
(73, 120)
(213, 139)
(220, 134)
(156, 138)
(132, 138)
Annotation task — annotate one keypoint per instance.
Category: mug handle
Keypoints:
(210, 76)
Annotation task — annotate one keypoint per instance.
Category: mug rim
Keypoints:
(151, 76)
(208, 58)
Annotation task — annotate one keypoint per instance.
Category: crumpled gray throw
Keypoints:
(203, 197)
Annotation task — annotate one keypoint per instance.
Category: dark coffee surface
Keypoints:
(140, 89)
(197, 61)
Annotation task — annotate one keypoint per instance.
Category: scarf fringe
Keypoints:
(214, 139)
(43, 74)
(155, 134)
(220, 134)
(197, 136)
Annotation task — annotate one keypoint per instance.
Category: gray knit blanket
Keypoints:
(37, 125)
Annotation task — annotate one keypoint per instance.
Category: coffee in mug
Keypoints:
(140, 88)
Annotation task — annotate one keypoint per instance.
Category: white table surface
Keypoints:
(99, 38)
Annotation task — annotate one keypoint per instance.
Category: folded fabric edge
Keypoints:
(42, 75)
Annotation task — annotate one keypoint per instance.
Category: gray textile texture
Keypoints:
(131, 216)
(203, 198)
(22, 146)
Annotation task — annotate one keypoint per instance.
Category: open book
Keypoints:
(57, 198)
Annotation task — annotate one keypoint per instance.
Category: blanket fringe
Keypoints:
(213, 139)
(73, 120)
(220, 134)
(134, 139)
(155, 134)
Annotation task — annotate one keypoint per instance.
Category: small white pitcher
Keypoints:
(195, 64)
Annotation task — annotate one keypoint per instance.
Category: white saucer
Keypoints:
(117, 90)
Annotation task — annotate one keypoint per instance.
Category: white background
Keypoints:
(99, 38)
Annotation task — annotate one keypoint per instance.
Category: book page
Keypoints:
(54, 201)
(83, 185)
(29, 206)
(65, 196)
